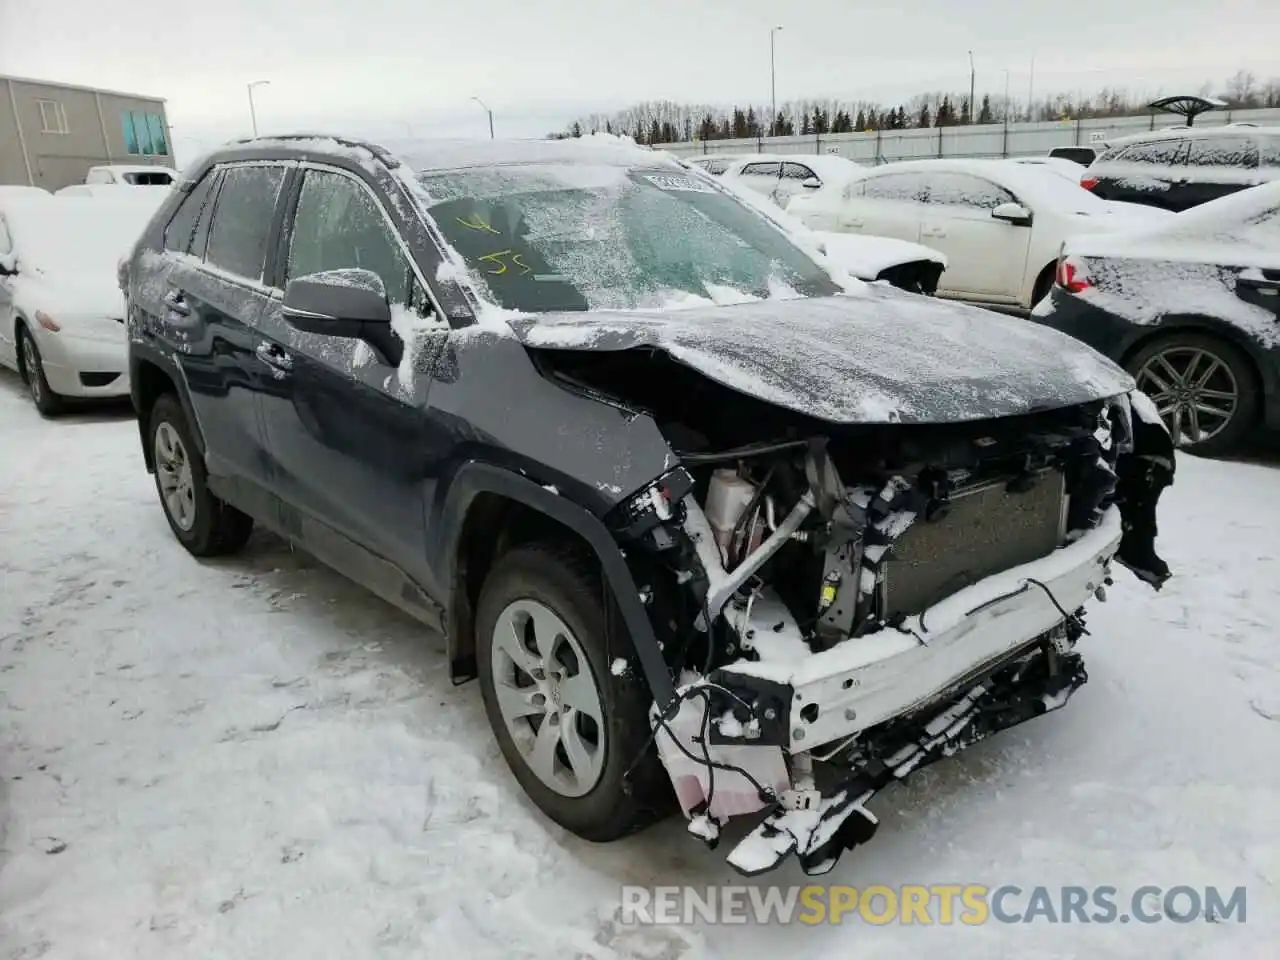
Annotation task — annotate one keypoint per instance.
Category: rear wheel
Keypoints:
(47, 402)
(568, 727)
(1204, 388)
(203, 524)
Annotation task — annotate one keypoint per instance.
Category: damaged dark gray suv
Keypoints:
(715, 526)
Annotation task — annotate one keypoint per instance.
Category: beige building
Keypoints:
(52, 133)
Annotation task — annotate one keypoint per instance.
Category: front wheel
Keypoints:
(568, 727)
(47, 402)
(203, 524)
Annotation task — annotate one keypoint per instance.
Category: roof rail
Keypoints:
(377, 150)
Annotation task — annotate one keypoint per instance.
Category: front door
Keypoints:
(8, 348)
(985, 256)
(345, 428)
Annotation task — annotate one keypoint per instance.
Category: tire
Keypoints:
(603, 803)
(1234, 374)
(47, 402)
(203, 524)
(1044, 283)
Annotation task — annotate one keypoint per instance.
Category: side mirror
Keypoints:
(1013, 213)
(338, 303)
(8, 264)
(812, 183)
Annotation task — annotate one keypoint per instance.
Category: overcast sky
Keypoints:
(387, 67)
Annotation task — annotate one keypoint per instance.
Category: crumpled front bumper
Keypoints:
(865, 681)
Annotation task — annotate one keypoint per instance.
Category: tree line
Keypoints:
(666, 121)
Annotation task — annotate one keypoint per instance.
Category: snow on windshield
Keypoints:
(74, 235)
(543, 237)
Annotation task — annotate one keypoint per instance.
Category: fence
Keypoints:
(983, 140)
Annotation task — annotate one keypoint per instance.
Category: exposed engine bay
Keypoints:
(844, 604)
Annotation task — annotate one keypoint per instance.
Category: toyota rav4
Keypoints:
(715, 525)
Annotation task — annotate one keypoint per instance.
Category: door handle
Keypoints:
(933, 232)
(853, 221)
(175, 301)
(274, 356)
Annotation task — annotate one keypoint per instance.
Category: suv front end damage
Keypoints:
(847, 607)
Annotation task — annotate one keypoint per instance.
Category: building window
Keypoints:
(53, 119)
(144, 134)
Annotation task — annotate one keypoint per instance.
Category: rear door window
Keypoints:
(966, 190)
(906, 187)
(180, 232)
(797, 171)
(1165, 153)
(242, 219)
(1223, 152)
(761, 169)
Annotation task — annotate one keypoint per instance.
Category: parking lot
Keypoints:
(255, 757)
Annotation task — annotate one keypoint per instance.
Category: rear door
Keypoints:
(761, 176)
(344, 423)
(885, 205)
(1215, 167)
(792, 181)
(985, 256)
(213, 302)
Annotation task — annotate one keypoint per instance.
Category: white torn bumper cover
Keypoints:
(939, 682)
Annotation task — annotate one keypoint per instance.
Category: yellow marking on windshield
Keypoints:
(499, 259)
(475, 223)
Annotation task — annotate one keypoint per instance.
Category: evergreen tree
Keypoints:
(984, 112)
(964, 111)
(806, 125)
(577, 129)
(900, 122)
(925, 119)
(740, 131)
(946, 113)
(860, 123)
(753, 125)
(707, 128)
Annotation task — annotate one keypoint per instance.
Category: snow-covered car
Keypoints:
(61, 311)
(1191, 308)
(715, 163)
(908, 266)
(132, 175)
(783, 176)
(1000, 224)
(696, 509)
(21, 190)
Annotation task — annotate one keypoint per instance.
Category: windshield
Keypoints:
(546, 237)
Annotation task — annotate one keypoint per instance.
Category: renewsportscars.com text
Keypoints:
(941, 904)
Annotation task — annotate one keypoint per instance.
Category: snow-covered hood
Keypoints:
(70, 295)
(880, 356)
(866, 257)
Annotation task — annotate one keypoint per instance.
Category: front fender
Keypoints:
(474, 478)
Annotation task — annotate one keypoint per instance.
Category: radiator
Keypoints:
(986, 530)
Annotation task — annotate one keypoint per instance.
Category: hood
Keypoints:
(879, 356)
(70, 295)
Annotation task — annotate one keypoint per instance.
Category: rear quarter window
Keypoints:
(1155, 152)
(1223, 152)
(761, 169)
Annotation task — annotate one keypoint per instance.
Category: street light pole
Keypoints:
(253, 114)
(773, 85)
(489, 112)
(972, 86)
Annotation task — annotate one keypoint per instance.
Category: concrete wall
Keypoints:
(94, 132)
(988, 140)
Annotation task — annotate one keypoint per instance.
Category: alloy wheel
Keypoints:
(31, 361)
(173, 471)
(1194, 390)
(548, 697)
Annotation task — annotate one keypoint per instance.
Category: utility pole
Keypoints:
(1031, 88)
(253, 114)
(489, 112)
(972, 86)
(773, 85)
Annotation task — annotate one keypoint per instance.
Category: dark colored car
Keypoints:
(1191, 309)
(708, 527)
(1181, 168)
(1082, 155)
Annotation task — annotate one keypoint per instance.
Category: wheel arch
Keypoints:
(489, 509)
(149, 379)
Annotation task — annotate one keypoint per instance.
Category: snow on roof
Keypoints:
(134, 168)
(72, 234)
(825, 165)
(1029, 181)
(424, 155)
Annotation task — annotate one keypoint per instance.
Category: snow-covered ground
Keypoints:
(254, 758)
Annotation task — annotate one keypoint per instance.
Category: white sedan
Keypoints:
(1000, 224)
(61, 312)
(783, 176)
